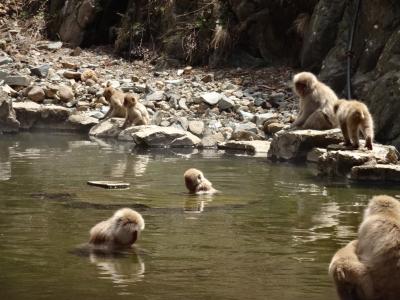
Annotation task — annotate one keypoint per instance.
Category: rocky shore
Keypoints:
(48, 86)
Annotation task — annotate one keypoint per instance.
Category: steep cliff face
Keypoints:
(311, 35)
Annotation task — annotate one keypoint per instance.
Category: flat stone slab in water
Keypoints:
(248, 146)
(109, 184)
(378, 172)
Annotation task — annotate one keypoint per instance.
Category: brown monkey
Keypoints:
(316, 103)
(120, 231)
(354, 116)
(136, 112)
(116, 100)
(196, 183)
(351, 276)
(368, 269)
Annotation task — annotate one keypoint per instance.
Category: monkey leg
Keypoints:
(318, 120)
(353, 131)
(343, 127)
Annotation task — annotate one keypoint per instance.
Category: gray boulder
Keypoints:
(8, 121)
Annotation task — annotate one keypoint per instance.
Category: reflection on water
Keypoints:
(269, 234)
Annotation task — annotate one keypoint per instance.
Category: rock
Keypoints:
(8, 120)
(36, 93)
(41, 71)
(262, 118)
(32, 115)
(316, 154)
(207, 78)
(274, 128)
(89, 74)
(157, 118)
(377, 172)
(54, 46)
(72, 75)
(113, 83)
(182, 104)
(244, 135)
(245, 127)
(196, 127)
(108, 128)
(157, 136)
(211, 98)
(246, 116)
(17, 80)
(258, 147)
(182, 123)
(3, 74)
(140, 88)
(295, 145)
(175, 81)
(76, 51)
(82, 122)
(5, 60)
(212, 141)
(225, 103)
(65, 93)
(338, 161)
(156, 96)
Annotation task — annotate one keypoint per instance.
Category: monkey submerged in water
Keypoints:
(368, 269)
(118, 232)
(316, 103)
(196, 183)
(136, 112)
(353, 117)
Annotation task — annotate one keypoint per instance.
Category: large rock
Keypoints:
(376, 172)
(255, 147)
(157, 136)
(338, 161)
(109, 128)
(295, 145)
(82, 122)
(8, 121)
(32, 115)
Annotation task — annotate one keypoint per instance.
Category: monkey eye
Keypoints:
(199, 176)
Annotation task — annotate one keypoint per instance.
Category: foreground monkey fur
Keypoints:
(196, 183)
(136, 112)
(354, 116)
(368, 269)
(316, 103)
(120, 231)
(115, 99)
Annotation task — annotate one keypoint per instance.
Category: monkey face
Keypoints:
(193, 178)
(302, 88)
(130, 100)
(108, 91)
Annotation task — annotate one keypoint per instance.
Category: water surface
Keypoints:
(270, 234)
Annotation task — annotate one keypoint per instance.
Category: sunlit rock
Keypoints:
(378, 172)
(108, 128)
(257, 147)
(295, 145)
(158, 136)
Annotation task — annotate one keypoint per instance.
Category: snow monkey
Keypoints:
(354, 116)
(369, 269)
(316, 103)
(120, 231)
(136, 112)
(116, 100)
(196, 183)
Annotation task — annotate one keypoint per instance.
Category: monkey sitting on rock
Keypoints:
(136, 112)
(115, 99)
(368, 268)
(196, 183)
(316, 103)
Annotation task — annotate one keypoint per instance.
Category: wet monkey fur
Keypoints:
(316, 103)
(196, 183)
(120, 231)
(353, 117)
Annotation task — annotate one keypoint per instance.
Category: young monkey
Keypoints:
(115, 99)
(353, 117)
(136, 112)
(196, 183)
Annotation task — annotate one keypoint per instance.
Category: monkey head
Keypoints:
(383, 204)
(304, 83)
(130, 100)
(196, 182)
(121, 230)
(108, 92)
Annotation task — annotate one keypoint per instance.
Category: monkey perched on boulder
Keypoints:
(353, 117)
(368, 269)
(316, 103)
(136, 112)
(196, 183)
(115, 99)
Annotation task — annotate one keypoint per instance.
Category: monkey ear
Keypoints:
(108, 83)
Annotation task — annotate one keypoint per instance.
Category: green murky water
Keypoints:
(270, 234)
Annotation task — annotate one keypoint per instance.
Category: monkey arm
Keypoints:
(108, 114)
